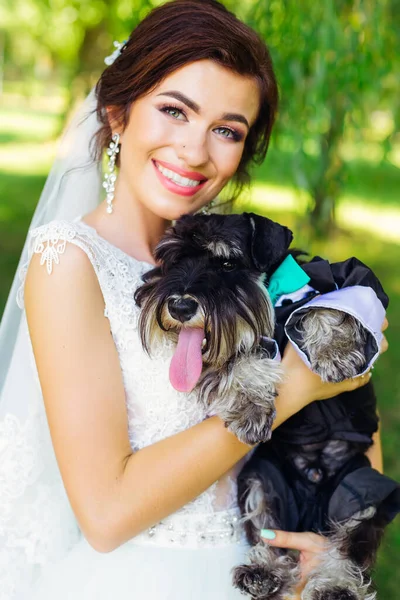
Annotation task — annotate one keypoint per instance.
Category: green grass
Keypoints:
(371, 234)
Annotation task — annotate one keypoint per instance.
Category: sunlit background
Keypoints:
(331, 174)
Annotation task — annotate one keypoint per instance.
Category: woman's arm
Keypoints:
(176, 470)
(114, 493)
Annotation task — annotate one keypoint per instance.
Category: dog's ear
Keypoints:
(269, 242)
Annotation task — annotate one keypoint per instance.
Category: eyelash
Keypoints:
(236, 136)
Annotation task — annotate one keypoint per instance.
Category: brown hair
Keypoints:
(177, 33)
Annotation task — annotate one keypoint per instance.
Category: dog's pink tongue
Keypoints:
(187, 363)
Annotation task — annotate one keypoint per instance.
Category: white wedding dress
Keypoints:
(190, 554)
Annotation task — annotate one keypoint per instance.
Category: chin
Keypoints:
(171, 210)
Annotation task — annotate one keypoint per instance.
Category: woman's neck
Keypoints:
(132, 227)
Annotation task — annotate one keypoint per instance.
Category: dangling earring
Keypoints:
(110, 178)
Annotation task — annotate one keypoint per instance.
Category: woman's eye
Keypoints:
(230, 134)
(174, 111)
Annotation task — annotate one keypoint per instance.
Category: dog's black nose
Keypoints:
(182, 309)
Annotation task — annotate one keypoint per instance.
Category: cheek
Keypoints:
(147, 130)
(228, 159)
(153, 131)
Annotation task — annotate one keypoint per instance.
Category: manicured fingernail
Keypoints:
(268, 534)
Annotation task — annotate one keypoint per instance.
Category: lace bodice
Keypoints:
(155, 409)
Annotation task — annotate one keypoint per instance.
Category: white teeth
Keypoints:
(183, 181)
(204, 343)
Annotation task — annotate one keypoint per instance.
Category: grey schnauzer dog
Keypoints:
(208, 294)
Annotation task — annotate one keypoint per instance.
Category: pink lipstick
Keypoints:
(178, 180)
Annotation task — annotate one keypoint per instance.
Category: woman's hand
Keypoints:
(310, 546)
(309, 386)
(384, 345)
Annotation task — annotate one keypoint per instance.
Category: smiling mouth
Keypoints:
(176, 182)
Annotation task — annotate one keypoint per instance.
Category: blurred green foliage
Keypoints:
(336, 62)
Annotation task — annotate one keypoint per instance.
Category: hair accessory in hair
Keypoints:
(119, 47)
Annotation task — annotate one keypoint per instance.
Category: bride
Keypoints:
(112, 484)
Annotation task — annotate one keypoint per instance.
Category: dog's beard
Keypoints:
(231, 324)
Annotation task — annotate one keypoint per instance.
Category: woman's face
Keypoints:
(185, 139)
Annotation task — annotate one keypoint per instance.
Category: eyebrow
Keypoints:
(196, 108)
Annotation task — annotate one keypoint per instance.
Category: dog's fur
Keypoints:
(217, 265)
(343, 569)
(213, 269)
(334, 342)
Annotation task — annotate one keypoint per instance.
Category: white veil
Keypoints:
(72, 189)
(37, 525)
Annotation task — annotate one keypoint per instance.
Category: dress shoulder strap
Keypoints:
(50, 241)
(117, 272)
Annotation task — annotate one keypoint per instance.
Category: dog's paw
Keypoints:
(333, 370)
(253, 424)
(259, 582)
(335, 593)
(334, 342)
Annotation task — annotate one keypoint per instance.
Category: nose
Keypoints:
(194, 150)
(182, 309)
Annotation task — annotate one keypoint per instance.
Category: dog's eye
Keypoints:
(228, 266)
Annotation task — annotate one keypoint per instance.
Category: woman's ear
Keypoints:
(269, 242)
(115, 119)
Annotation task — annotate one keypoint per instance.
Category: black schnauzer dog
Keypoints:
(209, 295)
